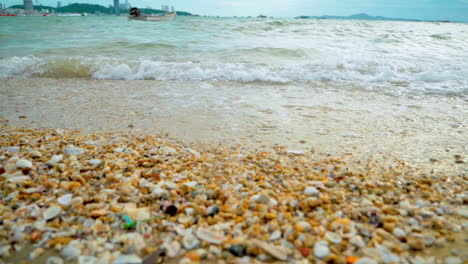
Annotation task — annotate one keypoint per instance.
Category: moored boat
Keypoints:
(160, 17)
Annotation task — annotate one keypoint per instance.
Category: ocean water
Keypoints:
(388, 57)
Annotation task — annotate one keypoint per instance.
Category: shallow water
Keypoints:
(391, 57)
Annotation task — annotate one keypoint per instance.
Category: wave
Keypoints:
(426, 78)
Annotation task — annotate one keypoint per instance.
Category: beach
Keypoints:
(234, 141)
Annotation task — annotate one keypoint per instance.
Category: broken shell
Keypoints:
(51, 212)
(278, 252)
(333, 237)
(210, 236)
(321, 249)
(65, 199)
(190, 242)
(23, 164)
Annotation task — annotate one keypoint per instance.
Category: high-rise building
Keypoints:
(59, 5)
(116, 7)
(28, 5)
(172, 9)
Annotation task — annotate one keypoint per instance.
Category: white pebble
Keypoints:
(54, 160)
(366, 260)
(275, 235)
(87, 260)
(54, 260)
(65, 199)
(23, 164)
(453, 260)
(321, 249)
(127, 259)
(72, 150)
(310, 191)
(94, 162)
(52, 212)
(399, 233)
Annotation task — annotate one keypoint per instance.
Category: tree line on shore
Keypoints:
(93, 9)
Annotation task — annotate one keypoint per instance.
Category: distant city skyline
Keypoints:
(453, 10)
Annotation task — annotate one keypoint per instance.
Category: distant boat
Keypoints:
(8, 15)
(159, 17)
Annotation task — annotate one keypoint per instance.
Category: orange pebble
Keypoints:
(352, 259)
(193, 256)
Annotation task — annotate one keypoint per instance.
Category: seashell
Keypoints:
(127, 259)
(172, 249)
(70, 252)
(453, 260)
(94, 162)
(463, 212)
(333, 237)
(210, 236)
(189, 242)
(275, 235)
(311, 191)
(65, 199)
(35, 154)
(72, 150)
(278, 252)
(36, 253)
(366, 260)
(19, 179)
(23, 164)
(99, 213)
(321, 249)
(191, 184)
(87, 260)
(399, 233)
(296, 152)
(51, 212)
(357, 241)
(54, 260)
(54, 160)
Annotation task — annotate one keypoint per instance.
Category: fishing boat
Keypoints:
(159, 17)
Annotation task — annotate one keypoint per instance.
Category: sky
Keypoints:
(454, 10)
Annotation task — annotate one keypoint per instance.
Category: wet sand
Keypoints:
(357, 176)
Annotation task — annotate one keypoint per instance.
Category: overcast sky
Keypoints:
(455, 10)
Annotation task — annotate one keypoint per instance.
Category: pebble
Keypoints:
(238, 250)
(65, 199)
(366, 260)
(415, 243)
(463, 212)
(311, 191)
(189, 242)
(213, 210)
(87, 260)
(275, 235)
(453, 260)
(72, 150)
(321, 249)
(51, 212)
(128, 259)
(94, 162)
(399, 233)
(210, 236)
(54, 260)
(24, 164)
(70, 252)
(54, 160)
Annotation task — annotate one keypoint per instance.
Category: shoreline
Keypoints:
(428, 131)
(213, 204)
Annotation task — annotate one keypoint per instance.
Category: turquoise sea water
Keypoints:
(412, 57)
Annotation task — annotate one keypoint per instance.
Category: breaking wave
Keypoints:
(426, 78)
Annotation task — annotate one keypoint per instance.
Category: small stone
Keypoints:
(190, 242)
(357, 241)
(453, 260)
(278, 252)
(305, 252)
(65, 199)
(70, 252)
(54, 160)
(35, 154)
(23, 164)
(52, 212)
(366, 260)
(333, 237)
(463, 212)
(415, 243)
(213, 210)
(54, 260)
(94, 162)
(275, 235)
(87, 260)
(210, 236)
(72, 150)
(238, 250)
(171, 210)
(127, 259)
(399, 233)
(321, 249)
(311, 191)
